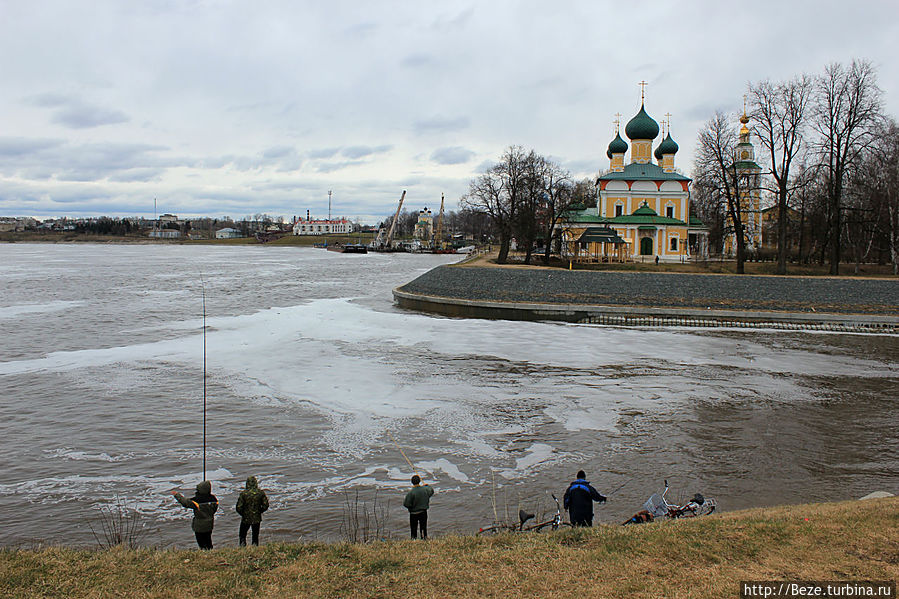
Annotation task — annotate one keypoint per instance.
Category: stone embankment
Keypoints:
(656, 299)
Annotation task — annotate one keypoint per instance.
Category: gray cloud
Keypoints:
(453, 155)
(485, 166)
(13, 147)
(330, 167)
(355, 152)
(439, 124)
(418, 60)
(322, 153)
(459, 21)
(278, 152)
(74, 113)
(86, 116)
(48, 100)
(138, 174)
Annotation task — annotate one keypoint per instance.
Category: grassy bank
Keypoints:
(705, 557)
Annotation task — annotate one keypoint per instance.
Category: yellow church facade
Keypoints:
(645, 203)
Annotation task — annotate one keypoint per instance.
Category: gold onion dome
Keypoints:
(642, 126)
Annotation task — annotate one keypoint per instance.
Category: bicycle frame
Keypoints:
(552, 523)
(657, 506)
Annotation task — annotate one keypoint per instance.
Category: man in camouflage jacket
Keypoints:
(250, 505)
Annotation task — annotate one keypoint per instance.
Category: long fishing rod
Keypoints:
(400, 449)
(621, 486)
(203, 284)
(414, 469)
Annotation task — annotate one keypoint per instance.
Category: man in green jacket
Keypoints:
(250, 505)
(204, 504)
(417, 502)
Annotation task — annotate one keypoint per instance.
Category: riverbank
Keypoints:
(655, 298)
(704, 557)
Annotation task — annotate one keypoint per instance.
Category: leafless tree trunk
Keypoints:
(847, 111)
(779, 110)
(716, 171)
(557, 199)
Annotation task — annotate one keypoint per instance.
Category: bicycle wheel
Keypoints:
(550, 526)
(494, 530)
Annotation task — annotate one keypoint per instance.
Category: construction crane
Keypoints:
(438, 230)
(381, 241)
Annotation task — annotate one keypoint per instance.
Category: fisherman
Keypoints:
(417, 502)
(250, 505)
(578, 500)
(204, 504)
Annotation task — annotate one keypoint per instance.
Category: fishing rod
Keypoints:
(203, 288)
(621, 486)
(400, 449)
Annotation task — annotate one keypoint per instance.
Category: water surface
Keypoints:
(315, 381)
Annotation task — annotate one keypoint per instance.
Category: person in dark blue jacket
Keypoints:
(579, 498)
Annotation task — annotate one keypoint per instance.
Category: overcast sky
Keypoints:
(238, 108)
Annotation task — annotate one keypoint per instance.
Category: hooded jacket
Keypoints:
(252, 502)
(204, 504)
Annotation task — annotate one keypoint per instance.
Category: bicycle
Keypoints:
(658, 507)
(553, 523)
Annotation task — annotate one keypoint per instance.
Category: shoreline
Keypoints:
(472, 290)
(689, 558)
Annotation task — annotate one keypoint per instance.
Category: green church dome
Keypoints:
(618, 146)
(666, 147)
(642, 126)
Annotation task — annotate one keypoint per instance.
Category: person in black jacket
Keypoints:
(578, 500)
(204, 504)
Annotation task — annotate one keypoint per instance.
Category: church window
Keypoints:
(619, 209)
(669, 211)
(674, 244)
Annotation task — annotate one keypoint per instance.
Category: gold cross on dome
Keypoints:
(642, 85)
(668, 117)
(617, 121)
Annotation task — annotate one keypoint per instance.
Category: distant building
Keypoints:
(749, 173)
(165, 234)
(227, 233)
(424, 228)
(309, 226)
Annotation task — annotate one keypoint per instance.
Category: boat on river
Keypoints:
(348, 248)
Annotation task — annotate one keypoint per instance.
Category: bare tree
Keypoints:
(875, 187)
(716, 172)
(779, 110)
(847, 111)
(584, 192)
(557, 198)
(527, 225)
(498, 193)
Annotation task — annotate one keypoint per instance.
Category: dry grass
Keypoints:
(699, 558)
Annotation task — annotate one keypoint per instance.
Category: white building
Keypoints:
(322, 227)
(227, 233)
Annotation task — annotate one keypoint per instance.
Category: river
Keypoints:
(316, 382)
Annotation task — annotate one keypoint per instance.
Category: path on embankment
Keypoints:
(641, 298)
